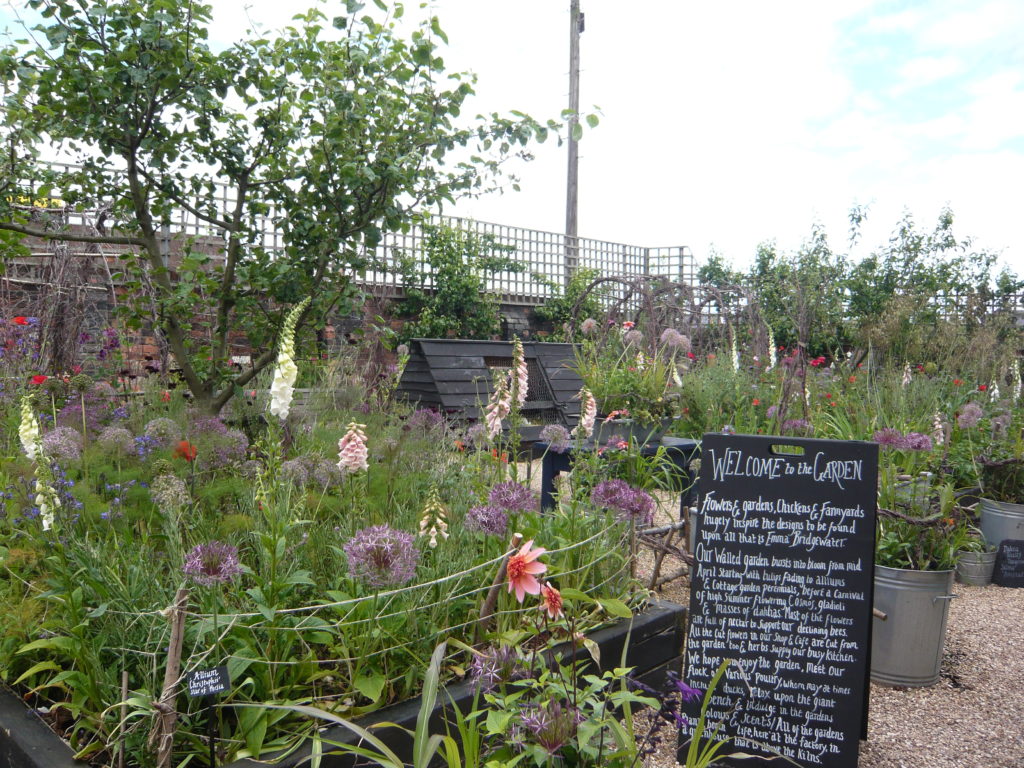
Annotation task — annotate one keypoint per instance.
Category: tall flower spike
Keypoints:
(994, 392)
(906, 374)
(1017, 383)
(735, 351)
(521, 381)
(434, 522)
(286, 372)
(29, 431)
(939, 430)
(773, 353)
(352, 453)
(588, 414)
(498, 407)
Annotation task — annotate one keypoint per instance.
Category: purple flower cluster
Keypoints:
(487, 519)
(110, 343)
(212, 563)
(425, 419)
(63, 443)
(294, 471)
(512, 497)
(145, 445)
(218, 446)
(164, 431)
(100, 403)
(552, 725)
(503, 664)
(116, 440)
(627, 502)
(893, 439)
(673, 339)
(797, 427)
(557, 437)
(380, 556)
(969, 416)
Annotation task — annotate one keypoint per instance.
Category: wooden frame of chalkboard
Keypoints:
(783, 585)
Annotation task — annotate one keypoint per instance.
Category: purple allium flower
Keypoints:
(165, 431)
(218, 449)
(487, 519)
(294, 471)
(100, 401)
(969, 416)
(552, 725)
(325, 473)
(557, 437)
(116, 440)
(212, 563)
(510, 496)
(476, 435)
(915, 441)
(169, 492)
(425, 419)
(63, 443)
(772, 410)
(633, 337)
(797, 426)
(1000, 425)
(623, 499)
(588, 326)
(503, 664)
(673, 339)
(889, 438)
(250, 468)
(380, 556)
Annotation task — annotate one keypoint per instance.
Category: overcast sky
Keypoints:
(726, 124)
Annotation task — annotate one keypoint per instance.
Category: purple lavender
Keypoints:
(100, 402)
(487, 519)
(557, 437)
(380, 556)
(513, 497)
(627, 502)
(212, 563)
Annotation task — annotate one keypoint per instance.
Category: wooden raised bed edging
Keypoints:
(655, 648)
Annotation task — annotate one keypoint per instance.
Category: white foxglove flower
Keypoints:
(773, 353)
(906, 374)
(352, 454)
(588, 414)
(735, 352)
(995, 391)
(938, 430)
(498, 407)
(1017, 383)
(29, 431)
(47, 501)
(434, 521)
(520, 382)
(286, 372)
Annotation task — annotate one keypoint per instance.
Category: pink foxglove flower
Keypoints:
(352, 453)
(499, 406)
(588, 414)
(521, 381)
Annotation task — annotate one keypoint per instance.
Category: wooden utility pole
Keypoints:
(572, 182)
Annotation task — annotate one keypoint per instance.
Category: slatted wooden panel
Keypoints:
(457, 377)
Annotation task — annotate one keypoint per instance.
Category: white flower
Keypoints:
(995, 392)
(1017, 383)
(735, 352)
(938, 430)
(286, 372)
(352, 454)
(906, 374)
(434, 521)
(47, 501)
(588, 415)
(773, 354)
(29, 431)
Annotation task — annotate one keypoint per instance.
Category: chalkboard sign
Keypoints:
(1009, 570)
(783, 585)
(207, 682)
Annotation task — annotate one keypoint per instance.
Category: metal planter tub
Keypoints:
(906, 647)
(1001, 520)
(975, 568)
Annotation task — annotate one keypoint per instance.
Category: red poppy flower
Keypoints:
(756, 401)
(39, 379)
(165, 396)
(503, 457)
(459, 445)
(76, 369)
(982, 387)
(20, 320)
(185, 450)
(957, 382)
(852, 379)
(691, 355)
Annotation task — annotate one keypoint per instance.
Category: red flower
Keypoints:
(820, 360)
(628, 325)
(166, 396)
(20, 320)
(982, 387)
(957, 382)
(503, 457)
(711, 355)
(185, 450)
(76, 369)
(828, 395)
(852, 379)
(460, 446)
(756, 401)
(39, 379)
(523, 571)
(920, 366)
(691, 355)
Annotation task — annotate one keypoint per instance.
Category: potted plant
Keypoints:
(975, 559)
(1002, 495)
(633, 377)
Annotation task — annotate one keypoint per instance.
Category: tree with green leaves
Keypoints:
(335, 130)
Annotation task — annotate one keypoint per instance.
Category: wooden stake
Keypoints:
(487, 609)
(124, 717)
(163, 731)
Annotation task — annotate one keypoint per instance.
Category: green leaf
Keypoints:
(615, 608)
(370, 685)
(497, 721)
(252, 721)
(592, 120)
(40, 667)
(577, 132)
(568, 593)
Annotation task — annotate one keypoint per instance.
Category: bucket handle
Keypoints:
(943, 597)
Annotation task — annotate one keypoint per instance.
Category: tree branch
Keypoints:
(10, 226)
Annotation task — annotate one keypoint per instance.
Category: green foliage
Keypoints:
(331, 130)
(449, 300)
(573, 305)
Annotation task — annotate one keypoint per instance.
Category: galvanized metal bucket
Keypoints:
(1001, 520)
(975, 568)
(906, 647)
